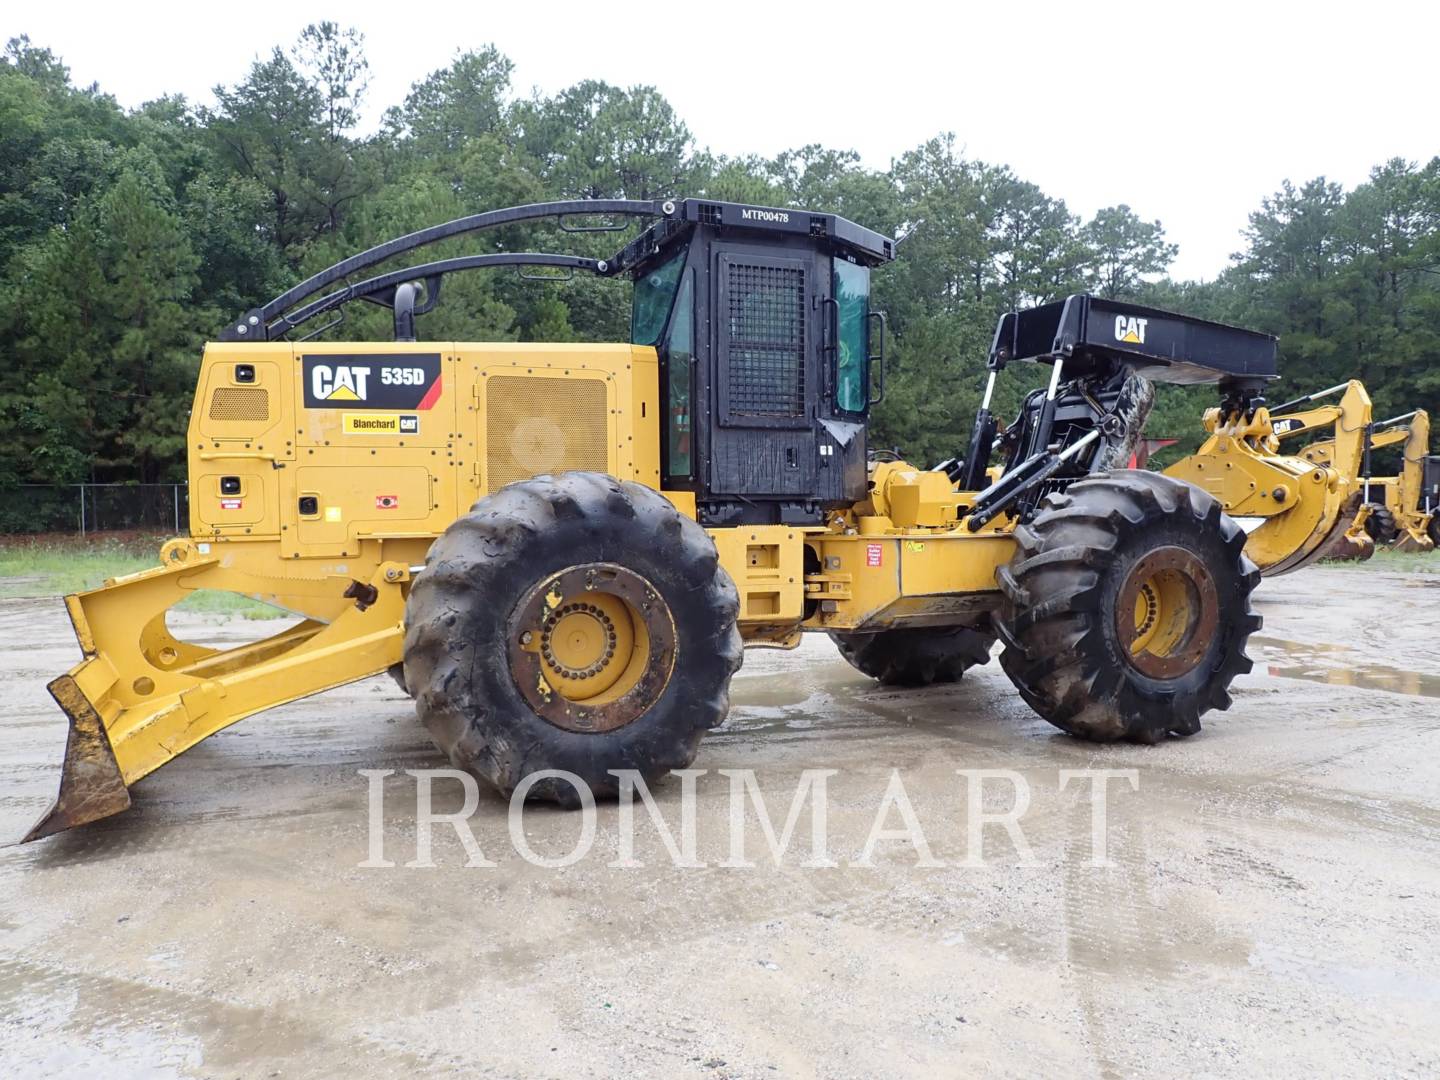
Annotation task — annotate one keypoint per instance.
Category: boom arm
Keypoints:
(1350, 417)
(1412, 469)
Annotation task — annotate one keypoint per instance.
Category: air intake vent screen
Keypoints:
(539, 425)
(765, 365)
(240, 403)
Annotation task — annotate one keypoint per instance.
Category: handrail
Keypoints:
(430, 273)
(255, 324)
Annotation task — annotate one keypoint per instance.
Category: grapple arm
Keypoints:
(1297, 508)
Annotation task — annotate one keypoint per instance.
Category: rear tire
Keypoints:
(917, 657)
(1127, 608)
(574, 622)
(1432, 529)
(1381, 525)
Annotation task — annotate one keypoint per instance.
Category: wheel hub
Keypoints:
(592, 647)
(578, 641)
(1167, 613)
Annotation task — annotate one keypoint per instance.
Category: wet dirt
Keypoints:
(1272, 907)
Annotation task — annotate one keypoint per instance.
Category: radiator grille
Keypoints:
(766, 363)
(538, 425)
(240, 403)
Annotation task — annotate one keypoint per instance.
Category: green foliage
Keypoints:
(1350, 282)
(448, 109)
(597, 141)
(1123, 250)
(128, 237)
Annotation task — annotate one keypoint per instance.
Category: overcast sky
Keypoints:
(1190, 113)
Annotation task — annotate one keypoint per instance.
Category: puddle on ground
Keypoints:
(807, 696)
(777, 701)
(1332, 665)
(1364, 983)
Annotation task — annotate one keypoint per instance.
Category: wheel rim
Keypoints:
(592, 647)
(1167, 613)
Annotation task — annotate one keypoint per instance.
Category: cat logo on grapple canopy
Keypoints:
(1130, 329)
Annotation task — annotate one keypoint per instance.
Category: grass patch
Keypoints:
(214, 602)
(56, 566)
(1402, 562)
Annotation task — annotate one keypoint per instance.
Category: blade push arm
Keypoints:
(140, 697)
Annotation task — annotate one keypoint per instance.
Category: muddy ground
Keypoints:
(1273, 907)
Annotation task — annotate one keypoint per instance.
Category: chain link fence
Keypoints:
(91, 508)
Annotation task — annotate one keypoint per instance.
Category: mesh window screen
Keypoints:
(538, 425)
(767, 339)
(240, 403)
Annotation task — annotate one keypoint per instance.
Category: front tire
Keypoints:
(1127, 608)
(916, 657)
(574, 622)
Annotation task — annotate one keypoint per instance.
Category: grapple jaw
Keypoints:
(1339, 536)
(1414, 534)
(1350, 547)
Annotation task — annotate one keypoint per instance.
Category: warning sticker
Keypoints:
(874, 554)
(387, 502)
(380, 424)
(231, 504)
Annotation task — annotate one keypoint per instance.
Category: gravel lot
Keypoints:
(1273, 907)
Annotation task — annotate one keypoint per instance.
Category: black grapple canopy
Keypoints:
(1091, 334)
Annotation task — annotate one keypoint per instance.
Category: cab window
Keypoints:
(651, 301)
(679, 352)
(851, 289)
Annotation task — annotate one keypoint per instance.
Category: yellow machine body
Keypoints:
(321, 474)
(327, 510)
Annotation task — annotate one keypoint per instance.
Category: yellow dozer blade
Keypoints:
(140, 696)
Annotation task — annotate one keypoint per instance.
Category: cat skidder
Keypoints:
(561, 549)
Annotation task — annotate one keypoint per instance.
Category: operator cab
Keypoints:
(761, 318)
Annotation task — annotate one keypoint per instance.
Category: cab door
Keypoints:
(763, 440)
